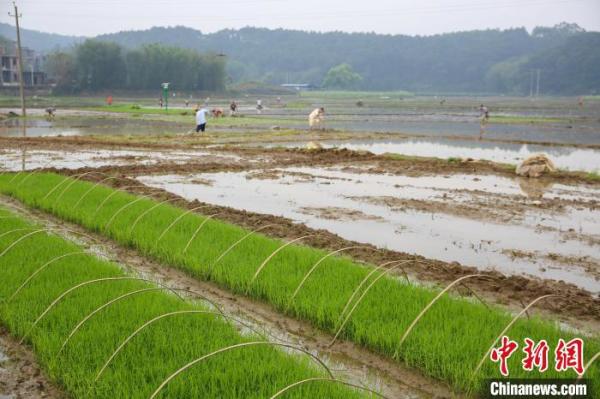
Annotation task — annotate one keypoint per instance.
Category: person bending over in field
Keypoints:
(232, 108)
(316, 118)
(484, 116)
(201, 119)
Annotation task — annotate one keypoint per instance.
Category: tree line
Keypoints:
(98, 65)
(485, 61)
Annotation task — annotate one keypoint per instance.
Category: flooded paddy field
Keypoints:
(514, 226)
(457, 216)
(25, 159)
(87, 124)
(563, 157)
(439, 126)
(545, 120)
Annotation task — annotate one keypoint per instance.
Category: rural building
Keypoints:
(298, 86)
(32, 64)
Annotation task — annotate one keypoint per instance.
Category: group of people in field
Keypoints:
(316, 118)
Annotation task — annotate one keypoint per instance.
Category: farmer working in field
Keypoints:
(484, 116)
(201, 119)
(316, 118)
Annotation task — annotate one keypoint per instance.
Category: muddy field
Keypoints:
(443, 198)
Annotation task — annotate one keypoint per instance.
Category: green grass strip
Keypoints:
(151, 356)
(447, 343)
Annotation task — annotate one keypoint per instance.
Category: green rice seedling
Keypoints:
(85, 194)
(40, 269)
(74, 180)
(147, 211)
(92, 305)
(272, 255)
(446, 343)
(312, 269)
(229, 348)
(177, 219)
(235, 244)
(321, 379)
(430, 304)
(170, 314)
(364, 281)
(127, 205)
(193, 237)
(362, 296)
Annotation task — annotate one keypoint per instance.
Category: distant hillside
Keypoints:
(570, 68)
(498, 61)
(453, 62)
(37, 40)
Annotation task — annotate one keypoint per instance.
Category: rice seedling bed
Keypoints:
(76, 337)
(448, 341)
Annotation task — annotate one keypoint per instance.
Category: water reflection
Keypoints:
(534, 188)
(569, 158)
(479, 222)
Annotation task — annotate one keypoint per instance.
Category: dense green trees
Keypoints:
(571, 68)
(97, 65)
(342, 77)
(492, 61)
(61, 67)
(497, 61)
(184, 69)
(100, 65)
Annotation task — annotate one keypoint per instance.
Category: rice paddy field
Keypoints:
(393, 258)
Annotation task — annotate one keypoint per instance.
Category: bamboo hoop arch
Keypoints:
(287, 244)
(77, 286)
(429, 305)
(325, 379)
(228, 348)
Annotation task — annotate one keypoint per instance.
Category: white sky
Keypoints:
(412, 17)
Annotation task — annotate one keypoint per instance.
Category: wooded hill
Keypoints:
(488, 61)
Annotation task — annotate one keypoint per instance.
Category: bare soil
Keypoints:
(411, 166)
(20, 375)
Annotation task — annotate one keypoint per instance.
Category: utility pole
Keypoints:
(20, 58)
(531, 83)
(537, 86)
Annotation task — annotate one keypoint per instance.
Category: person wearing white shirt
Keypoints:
(201, 119)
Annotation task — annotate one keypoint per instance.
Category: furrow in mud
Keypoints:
(350, 361)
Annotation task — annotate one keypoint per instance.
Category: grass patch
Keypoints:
(333, 94)
(593, 176)
(447, 343)
(187, 114)
(150, 357)
(403, 157)
(515, 119)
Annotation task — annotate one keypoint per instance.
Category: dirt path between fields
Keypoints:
(280, 157)
(262, 133)
(20, 375)
(347, 360)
